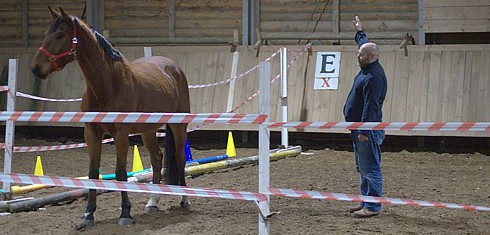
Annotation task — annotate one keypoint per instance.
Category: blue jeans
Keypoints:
(368, 164)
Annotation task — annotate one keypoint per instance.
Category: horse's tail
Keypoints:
(171, 175)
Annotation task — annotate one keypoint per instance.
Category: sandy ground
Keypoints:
(457, 178)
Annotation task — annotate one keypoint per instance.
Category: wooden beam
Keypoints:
(336, 17)
(133, 41)
(171, 18)
(25, 23)
(327, 36)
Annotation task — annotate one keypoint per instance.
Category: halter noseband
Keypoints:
(72, 51)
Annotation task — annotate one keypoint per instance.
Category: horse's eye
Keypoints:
(59, 36)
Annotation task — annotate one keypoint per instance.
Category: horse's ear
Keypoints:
(53, 13)
(63, 13)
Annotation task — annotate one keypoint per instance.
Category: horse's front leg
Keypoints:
(121, 140)
(93, 138)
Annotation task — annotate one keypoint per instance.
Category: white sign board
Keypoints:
(327, 70)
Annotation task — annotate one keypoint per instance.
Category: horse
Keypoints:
(115, 84)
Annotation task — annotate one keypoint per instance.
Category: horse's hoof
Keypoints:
(125, 221)
(185, 205)
(151, 209)
(84, 224)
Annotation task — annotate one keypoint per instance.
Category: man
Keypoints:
(364, 104)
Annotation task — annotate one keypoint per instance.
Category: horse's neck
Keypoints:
(99, 72)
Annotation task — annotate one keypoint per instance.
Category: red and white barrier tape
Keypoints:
(295, 58)
(391, 126)
(360, 198)
(236, 77)
(82, 145)
(4, 88)
(129, 187)
(120, 117)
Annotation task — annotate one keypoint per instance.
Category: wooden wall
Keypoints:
(432, 83)
(454, 16)
(392, 18)
(146, 22)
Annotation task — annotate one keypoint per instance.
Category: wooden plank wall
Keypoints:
(453, 16)
(150, 19)
(39, 19)
(215, 18)
(394, 16)
(432, 83)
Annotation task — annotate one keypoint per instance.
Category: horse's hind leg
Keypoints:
(179, 132)
(122, 144)
(156, 157)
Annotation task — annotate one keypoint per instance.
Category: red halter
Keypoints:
(72, 51)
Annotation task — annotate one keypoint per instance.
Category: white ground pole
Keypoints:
(148, 52)
(231, 90)
(10, 126)
(284, 95)
(264, 145)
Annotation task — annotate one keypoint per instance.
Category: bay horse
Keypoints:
(114, 84)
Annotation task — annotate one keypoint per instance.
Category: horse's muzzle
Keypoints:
(36, 70)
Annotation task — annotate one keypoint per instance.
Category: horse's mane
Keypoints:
(108, 49)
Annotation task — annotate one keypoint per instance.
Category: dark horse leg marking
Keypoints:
(179, 133)
(93, 138)
(121, 140)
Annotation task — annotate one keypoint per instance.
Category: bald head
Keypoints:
(368, 53)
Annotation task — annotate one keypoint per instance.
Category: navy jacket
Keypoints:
(368, 92)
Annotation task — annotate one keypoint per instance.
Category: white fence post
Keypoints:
(231, 89)
(148, 51)
(10, 125)
(264, 144)
(284, 95)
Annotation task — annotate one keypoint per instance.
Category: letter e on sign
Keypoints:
(327, 70)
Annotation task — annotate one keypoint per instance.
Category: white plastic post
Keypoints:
(148, 51)
(231, 89)
(10, 125)
(264, 142)
(284, 95)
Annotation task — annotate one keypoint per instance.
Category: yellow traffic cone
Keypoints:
(230, 147)
(137, 165)
(39, 167)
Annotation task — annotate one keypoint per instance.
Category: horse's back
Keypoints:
(172, 74)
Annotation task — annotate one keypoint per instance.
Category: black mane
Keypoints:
(112, 52)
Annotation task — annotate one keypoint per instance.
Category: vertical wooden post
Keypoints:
(336, 18)
(95, 9)
(421, 23)
(264, 143)
(10, 126)
(171, 18)
(25, 23)
(245, 21)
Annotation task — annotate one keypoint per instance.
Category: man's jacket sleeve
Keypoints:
(361, 38)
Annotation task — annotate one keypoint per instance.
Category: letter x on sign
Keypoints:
(325, 82)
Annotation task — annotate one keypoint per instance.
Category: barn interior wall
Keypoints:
(429, 83)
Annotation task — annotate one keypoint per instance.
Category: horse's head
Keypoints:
(59, 45)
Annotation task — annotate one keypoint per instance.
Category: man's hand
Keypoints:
(357, 24)
(362, 138)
